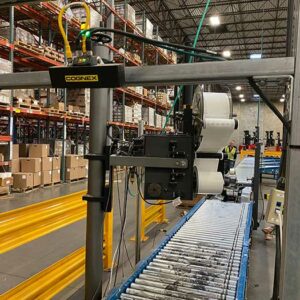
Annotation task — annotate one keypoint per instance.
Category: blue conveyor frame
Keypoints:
(241, 286)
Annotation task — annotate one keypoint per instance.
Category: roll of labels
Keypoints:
(218, 125)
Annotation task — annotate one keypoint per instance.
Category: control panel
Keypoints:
(275, 206)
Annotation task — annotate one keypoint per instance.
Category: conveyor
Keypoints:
(204, 257)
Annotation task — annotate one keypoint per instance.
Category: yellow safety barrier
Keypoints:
(151, 214)
(23, 225)
(267, 153)
(49, 282)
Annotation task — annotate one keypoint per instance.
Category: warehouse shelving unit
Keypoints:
(40, 19)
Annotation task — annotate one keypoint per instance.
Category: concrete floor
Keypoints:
(25, 261)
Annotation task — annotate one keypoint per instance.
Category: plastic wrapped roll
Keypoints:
(216, 105)
(216, 134)
(208, 180)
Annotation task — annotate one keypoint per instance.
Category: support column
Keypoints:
(11, 58)
(290, 264)
(138, 237)
(100, 113)
(99, 108)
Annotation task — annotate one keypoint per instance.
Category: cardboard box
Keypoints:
(15, 165)
(37, 178)
(4, 150)
(81, 172)
(46, 163)
(59, 106)
(38, 150)
(82, 162)
(22, 180)
(6, 181)
(30, 165)
(71, 173)
(56, 163)
(4, 190)
(46, 177)
(72, 161)
(15, 153)
(55, 176)
(23, 150)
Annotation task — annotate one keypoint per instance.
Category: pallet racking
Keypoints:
(29, 125)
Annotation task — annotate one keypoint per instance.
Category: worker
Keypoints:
(231, 152)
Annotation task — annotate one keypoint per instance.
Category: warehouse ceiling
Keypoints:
(246, 27)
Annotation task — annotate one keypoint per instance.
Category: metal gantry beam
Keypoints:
(235, 70)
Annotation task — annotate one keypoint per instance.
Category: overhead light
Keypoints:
(282, 100)
(256, 96)
(226, 53)
(283, 96)
(241, 95)
(214, 21)
(255, 56)
(243, 100)
(238, 88)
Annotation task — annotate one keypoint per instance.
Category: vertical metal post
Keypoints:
(100, 109)
(76, 138)
(256, 183)
(290, 265)
(64, 139)
(11, 58)
(138, 207)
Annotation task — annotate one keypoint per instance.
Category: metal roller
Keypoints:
(202, 260)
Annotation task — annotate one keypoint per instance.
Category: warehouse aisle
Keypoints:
(25, 261)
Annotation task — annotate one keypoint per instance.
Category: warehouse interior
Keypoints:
(149, 149)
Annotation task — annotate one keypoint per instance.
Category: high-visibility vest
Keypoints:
(230, 153)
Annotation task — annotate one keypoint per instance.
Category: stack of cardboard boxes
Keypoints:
(6, 179)
(78, 101)
(34, 167)
(76, 167)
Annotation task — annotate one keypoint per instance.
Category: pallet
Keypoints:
(35, 107)
(4, 191)
(75, 180)
(22, 105)
(46, 185)
(52, 110)
(29, 47)
(4, 104)
(25, 190)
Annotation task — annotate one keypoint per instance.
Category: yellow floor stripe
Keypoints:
(23, 225)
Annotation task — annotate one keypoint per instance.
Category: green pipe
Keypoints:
(190, 60)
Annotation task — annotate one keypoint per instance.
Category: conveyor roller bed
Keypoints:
(204, 257)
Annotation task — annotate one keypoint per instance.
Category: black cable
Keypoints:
(257, 89)
(205, 53)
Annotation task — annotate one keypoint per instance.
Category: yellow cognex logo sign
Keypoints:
(81, 78)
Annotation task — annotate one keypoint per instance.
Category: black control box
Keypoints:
(98, 76)
(168, 184)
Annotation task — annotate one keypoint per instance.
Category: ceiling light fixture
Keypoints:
(256, 56)
(214, 21)
(243, 100)
(226, 53)
(241, 95)
(238, 88)
(282, 100)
